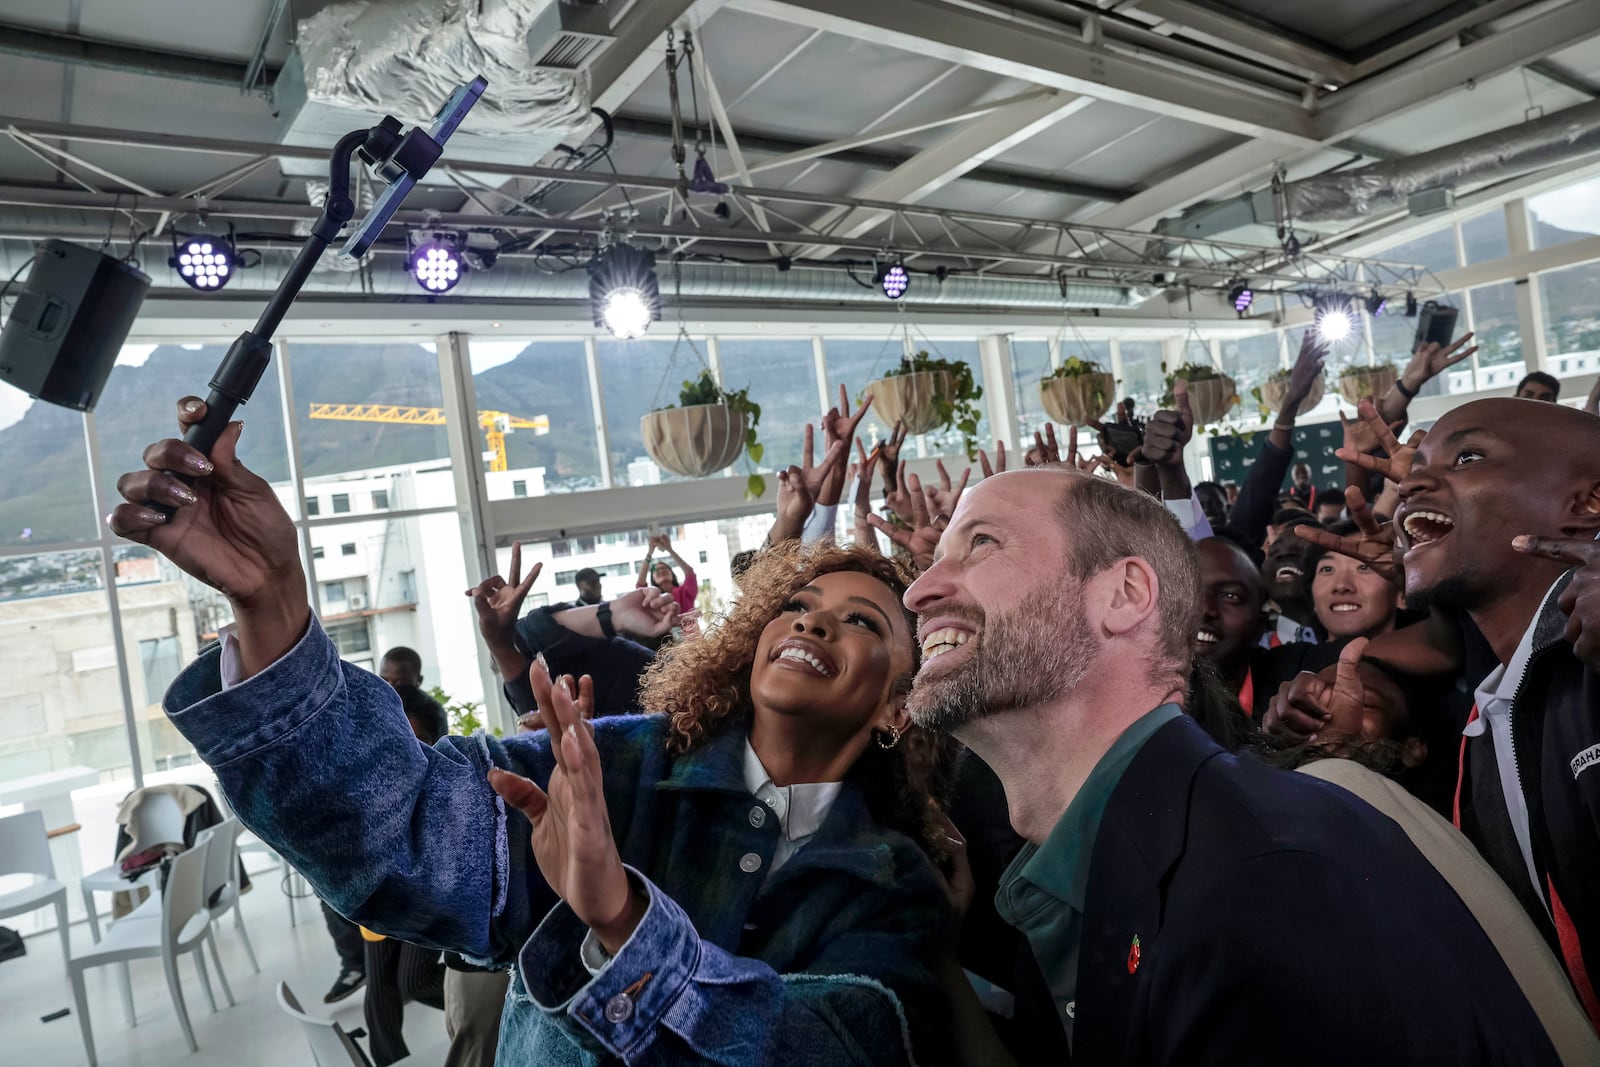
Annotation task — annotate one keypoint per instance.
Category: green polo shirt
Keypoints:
(1042, 892)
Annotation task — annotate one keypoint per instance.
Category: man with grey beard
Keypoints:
(1185, 905)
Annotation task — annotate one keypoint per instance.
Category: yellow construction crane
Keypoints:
(496, 424)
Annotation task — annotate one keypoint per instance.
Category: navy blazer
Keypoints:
(1280, 920)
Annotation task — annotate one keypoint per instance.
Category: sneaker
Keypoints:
(349, 982)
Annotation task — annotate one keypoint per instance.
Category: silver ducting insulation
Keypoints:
(517, 279)
(1383, 188)
(405, 57)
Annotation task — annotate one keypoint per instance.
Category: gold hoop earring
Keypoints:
(894, 737)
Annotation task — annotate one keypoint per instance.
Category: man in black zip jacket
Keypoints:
(1492, 503)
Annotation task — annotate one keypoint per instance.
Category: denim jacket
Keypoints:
(828, 961)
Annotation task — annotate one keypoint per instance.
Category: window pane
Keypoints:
(1566, 214)
(1142, 375)
(1498, 335)
(1435, 252)
(528, 378)
(44, 482)
(341, 503)
(313, 507)
(1572, 319)
(782, 378)
(637, 377)
(1485, 237)
(401, 586)
(1030, 361)
(358, 376)
(380, 499)
(140, 402)
(1250, 361)
(63, 734)
(159, 660)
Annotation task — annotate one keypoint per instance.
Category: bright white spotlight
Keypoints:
(1335, 323)
(626, 313)
(624, 293)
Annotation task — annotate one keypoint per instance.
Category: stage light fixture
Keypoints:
(1376, 303)
(624, 293)
(1411, 305)
(436, 264)
(204, 261)
(1241, 296)
(1335, 319)
(893, 279)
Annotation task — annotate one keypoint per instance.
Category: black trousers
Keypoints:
(346, 940)
(398, 972)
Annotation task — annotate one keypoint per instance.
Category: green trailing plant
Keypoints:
(959, 410)
(1189, 372)
(1357, 369)
(1073, 367)
(705, 390)
(462, 715)
(1263, 409)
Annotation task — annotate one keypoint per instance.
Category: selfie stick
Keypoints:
(401, 161)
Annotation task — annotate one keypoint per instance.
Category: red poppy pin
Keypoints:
(1133, 955)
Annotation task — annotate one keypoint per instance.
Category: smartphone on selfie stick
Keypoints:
(400, 160)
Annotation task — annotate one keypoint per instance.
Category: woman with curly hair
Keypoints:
(742, 879)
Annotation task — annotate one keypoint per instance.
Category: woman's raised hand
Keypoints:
(227, 527)
(572, 840)
(499, 600)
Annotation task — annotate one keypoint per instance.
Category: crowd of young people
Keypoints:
(1084, 763)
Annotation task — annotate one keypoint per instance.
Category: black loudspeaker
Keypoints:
(68, 324)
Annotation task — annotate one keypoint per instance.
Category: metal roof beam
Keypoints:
(1060, 61)
(956, 153)
(1355, 109)
(1215, 27)
(77, 50)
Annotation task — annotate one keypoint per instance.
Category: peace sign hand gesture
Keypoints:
(499, 600)
(1374, 545)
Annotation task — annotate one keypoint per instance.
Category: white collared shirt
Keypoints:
(801, 809)
(1494, 698)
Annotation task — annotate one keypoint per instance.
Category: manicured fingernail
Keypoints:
(152, 516)
(184, 494)
(1521, 541)
(191, 406)
(198, 464)
(572, 728)
(1310, 739)
(108, 518)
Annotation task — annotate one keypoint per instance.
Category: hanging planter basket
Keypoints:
(1276, 390)
(1211, 398)
(1367, 383)
(1077, 401)
(694, 441)
(914, 400)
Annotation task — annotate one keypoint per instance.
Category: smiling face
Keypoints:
(836, 653)
(983, 607)
(1284, 571)
(1486, 472)
(1351, 599)
(1231, 596)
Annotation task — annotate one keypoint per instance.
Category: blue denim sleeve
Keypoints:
(669, 999)
(317, 758)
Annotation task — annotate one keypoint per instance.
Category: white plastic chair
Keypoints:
(222, 885)
(160, 819)
(182, 925)
(25, 849)
(330, 1045)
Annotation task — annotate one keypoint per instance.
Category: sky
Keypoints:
(1574, 208)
